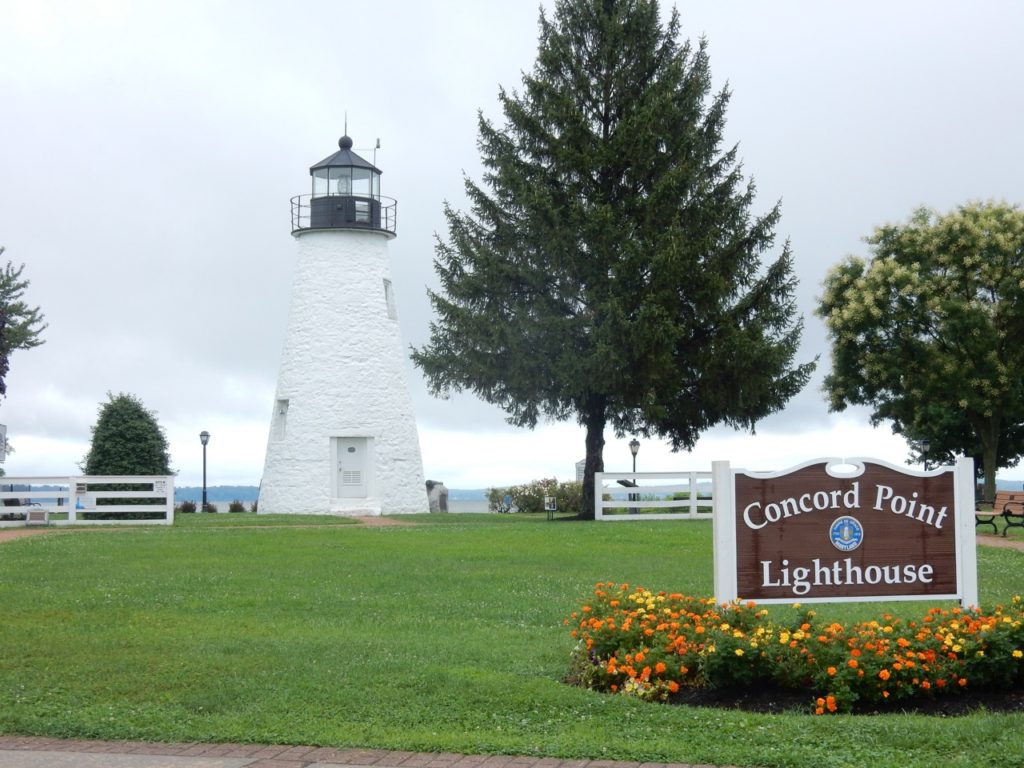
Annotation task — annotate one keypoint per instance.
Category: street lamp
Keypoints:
(204, 438)
(925, 445)
(634, 448)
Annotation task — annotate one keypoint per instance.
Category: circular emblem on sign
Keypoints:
(846, 533)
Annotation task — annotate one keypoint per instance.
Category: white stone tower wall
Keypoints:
(342, 376)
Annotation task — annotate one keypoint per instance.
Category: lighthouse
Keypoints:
(343, 437)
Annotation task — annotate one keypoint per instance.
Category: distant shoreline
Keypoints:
(250, 493)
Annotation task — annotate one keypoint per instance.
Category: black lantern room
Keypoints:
(346, 195)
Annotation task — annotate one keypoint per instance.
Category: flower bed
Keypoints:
(652, 645)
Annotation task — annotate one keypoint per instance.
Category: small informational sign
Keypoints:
(160, 486)
(827, 530)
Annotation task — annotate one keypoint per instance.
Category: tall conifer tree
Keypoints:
(610, 268)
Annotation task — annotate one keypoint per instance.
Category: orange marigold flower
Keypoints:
(830, 703)
(820, 702)
(673, 686)
(925, 684)
(819, 710)
(884, 674)
(852, 663)
(586, 609)
(660, 667)
(831, 671)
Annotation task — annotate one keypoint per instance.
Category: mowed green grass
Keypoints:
(446, 635)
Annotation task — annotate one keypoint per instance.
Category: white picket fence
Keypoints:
(653, 490)
(73, 500)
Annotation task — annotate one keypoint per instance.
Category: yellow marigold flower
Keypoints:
(738, 651)
(1018, 653)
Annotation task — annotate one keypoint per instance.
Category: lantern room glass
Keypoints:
(346, 181)
(320, 186)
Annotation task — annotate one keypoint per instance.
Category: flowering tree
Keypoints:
(928, 332)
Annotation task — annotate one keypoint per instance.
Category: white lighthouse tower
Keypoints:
(343, 437)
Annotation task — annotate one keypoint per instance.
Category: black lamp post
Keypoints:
(925, 445)
(204, 438)
(634, 448)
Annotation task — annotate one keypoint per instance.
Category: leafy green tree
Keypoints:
(20, 325)
(928, 331)
(126, 440)
(610, 267)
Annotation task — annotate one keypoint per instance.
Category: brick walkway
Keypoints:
(279, 756)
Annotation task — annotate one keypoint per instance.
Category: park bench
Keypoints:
(1010, 504)
(1007, 505)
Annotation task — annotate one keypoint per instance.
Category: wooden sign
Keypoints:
(831, 530)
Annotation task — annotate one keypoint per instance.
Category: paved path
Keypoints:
(40, 752)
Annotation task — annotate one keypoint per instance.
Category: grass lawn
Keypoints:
(445, 635)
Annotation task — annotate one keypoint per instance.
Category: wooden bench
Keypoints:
(1007, 505)
(1010, 504)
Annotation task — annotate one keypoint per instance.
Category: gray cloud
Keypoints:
(150, 151)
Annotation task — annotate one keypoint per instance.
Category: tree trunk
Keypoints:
(594, 421)
(989, 437)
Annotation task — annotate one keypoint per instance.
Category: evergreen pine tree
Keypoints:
(610, 268)
(127, 440)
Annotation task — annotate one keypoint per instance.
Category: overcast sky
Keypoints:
(149, 151)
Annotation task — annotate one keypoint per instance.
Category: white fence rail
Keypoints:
(75, 500)
(631, 495)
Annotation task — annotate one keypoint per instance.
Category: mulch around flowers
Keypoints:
(771, 700)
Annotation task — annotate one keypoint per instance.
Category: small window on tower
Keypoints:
(363, 211)
(280, 419)
(389, 299)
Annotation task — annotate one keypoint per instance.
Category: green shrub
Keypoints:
(530, 497)
(211, 507)
(252, 507)
(236, 506)
(186, 508)
(499, 500)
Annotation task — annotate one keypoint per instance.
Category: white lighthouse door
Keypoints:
(353, 466)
